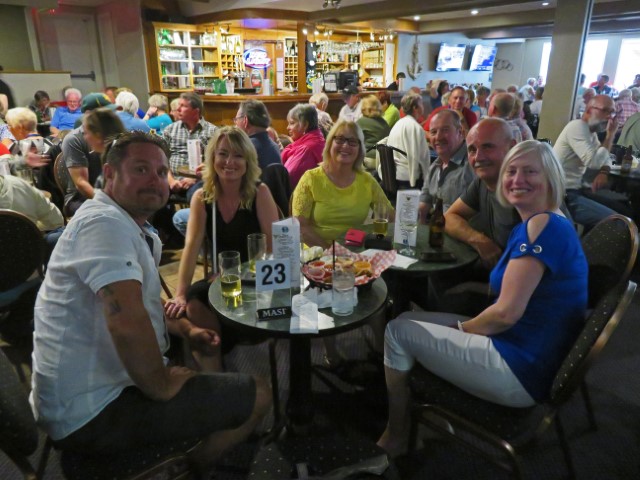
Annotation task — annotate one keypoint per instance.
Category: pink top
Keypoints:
(303, 154)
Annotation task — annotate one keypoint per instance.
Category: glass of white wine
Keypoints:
(380, 219)
(229, 265)
(256, 249)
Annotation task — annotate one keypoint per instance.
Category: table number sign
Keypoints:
(286, 245)
(407, 204)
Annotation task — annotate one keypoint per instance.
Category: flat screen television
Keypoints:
(450, 57)
(347, 78)
(483, 58)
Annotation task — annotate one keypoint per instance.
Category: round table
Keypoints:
(464, 254)
(243, 319)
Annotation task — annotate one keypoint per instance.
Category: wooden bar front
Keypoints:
(221, 109)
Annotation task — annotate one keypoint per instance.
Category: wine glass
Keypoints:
(407, 227)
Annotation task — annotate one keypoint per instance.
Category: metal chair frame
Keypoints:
(504, 453)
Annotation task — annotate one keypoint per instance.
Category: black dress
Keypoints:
(230, 236)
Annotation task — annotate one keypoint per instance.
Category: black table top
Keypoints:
(464, 253)
(243, 317)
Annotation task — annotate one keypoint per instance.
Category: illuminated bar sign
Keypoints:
(256, 58)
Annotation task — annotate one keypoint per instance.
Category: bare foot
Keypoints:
(395, 447)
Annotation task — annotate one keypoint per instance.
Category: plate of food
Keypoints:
(319, 272)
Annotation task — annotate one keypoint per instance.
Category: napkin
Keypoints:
(404, 262)
(400, 261)
(305, 316)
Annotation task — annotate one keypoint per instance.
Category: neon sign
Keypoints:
(256, 58)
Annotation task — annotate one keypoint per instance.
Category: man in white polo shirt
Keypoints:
(101, 383)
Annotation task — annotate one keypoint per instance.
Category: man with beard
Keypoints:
(579, 150)
(101, 382)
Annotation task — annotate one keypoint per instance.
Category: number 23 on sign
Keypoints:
(272, 275)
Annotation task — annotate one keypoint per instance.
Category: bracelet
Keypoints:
(460, 326)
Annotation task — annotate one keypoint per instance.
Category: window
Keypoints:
(628, 62)
(593, 60)
(544, 62)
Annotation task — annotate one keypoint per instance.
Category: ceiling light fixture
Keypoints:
(545, 4)
(305, 31)
(331, 3)
(416, 17)
(474, 12)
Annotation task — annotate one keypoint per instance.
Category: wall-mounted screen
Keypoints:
(483, 58)
(450, 57)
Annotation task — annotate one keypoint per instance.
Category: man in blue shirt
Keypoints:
(65, 118)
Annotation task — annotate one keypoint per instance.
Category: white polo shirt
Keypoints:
(76, 369)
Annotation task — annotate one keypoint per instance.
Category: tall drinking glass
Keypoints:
(256, 248)
(380, 219)
(342, 292)
(229, 265)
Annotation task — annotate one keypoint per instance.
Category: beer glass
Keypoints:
(229, 265)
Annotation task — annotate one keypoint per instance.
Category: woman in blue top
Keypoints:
(510, 353)
(157, 117)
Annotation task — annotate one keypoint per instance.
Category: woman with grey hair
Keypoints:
(509, 353)
(128, 106)
(305, 151)
(321, 102)
(157, 117)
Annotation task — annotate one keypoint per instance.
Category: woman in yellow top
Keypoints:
(338, 194)
(334, 197)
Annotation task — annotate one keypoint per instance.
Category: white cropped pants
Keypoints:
(469, 361)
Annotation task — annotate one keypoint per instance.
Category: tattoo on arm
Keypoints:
(106, 294)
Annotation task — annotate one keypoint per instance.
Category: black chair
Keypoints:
(22, 256)
(501, 433)
(388, 170)
(611, 248)
(276, 177)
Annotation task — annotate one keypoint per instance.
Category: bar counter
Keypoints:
(221, 109)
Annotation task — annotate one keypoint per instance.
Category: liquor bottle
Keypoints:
(436, 226)
(627, 160)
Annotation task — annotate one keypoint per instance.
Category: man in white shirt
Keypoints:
(409, 136)
(351, 111)
(579, 149)
(101, 384)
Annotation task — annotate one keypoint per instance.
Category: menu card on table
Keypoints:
(286, 244)
(194, 153)
(407, 204)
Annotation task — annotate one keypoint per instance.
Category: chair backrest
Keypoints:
(388, 168)
(276, 177)
(597, 330)
(61, 173)
(21, 249)
(611, 248)
(18, 430)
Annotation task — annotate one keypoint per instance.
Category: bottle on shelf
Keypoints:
(436, 225)
(627, 160)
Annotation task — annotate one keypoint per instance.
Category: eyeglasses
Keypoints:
(235, 119)
(352, 142)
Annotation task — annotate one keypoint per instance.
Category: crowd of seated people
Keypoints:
(118, 165)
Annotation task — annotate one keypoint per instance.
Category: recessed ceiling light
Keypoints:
(544, 4)
(474, 12)
(416, 17)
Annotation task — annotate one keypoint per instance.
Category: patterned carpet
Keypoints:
(612, 452)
